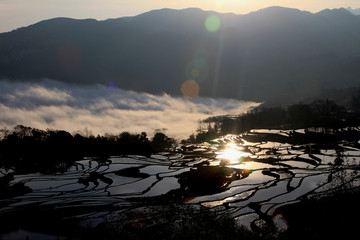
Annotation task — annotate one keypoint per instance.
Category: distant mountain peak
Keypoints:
(354, 11)
(279, 13)
(279, 9)
(335, 11)
(191, 11)
(274, 53)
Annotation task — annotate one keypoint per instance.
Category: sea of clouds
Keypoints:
(101, 109)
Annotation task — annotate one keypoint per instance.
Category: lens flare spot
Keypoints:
(190, 89)
(111, 85)
(195, 73)
(212, 23)
(197, 69)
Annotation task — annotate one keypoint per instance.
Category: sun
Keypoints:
(221, 3)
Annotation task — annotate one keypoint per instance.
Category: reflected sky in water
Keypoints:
(252, 178)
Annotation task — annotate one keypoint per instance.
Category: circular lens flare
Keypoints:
(190, 89)
(212, 23)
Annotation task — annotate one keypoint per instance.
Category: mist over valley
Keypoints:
(105, 109)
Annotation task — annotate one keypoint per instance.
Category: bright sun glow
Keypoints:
(220, 3)
(233, 153)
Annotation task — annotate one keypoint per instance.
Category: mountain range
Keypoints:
(355, 11)
(274, 55)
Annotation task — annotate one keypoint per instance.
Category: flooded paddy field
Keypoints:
(248, 177)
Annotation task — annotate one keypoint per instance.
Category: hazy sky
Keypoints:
(19, 13)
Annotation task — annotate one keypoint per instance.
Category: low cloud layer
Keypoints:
(102, 109)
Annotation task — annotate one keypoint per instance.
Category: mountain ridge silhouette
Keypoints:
(274, 55)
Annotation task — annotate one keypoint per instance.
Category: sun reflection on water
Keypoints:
(232, 153)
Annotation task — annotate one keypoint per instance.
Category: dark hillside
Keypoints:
(275, 54)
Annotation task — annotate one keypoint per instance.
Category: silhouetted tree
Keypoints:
(161, 142)
(30, 149)
(355, 102)
(321, 115)
(299, 115)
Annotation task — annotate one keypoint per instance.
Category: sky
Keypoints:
(21, 13)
